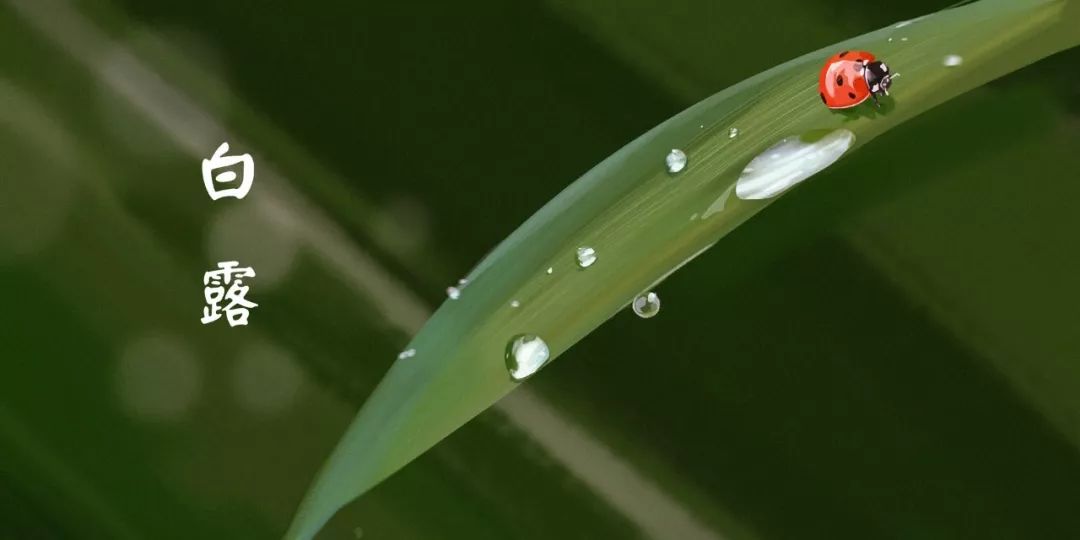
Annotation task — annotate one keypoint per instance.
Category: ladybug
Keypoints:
(851, 77)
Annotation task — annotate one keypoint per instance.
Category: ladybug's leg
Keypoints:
(877, 104)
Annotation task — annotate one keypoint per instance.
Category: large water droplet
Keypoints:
(586, 256)
(676, 161)
(953, 60)
(453, 293)
(789, 162)
(525, 355)
(646, 305)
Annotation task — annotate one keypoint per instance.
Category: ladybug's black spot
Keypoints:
(823, 100)
(839, 80)
(851, 95)
(843, 54)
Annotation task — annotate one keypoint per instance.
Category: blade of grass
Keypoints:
(638, 219)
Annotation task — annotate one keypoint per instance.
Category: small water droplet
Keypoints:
(515, 304)
(903, 39)
(646, 305)
(586, 256)
(525, 355)
(407, 353)
(733, 132)
(550, 270)
(462, 282)
(789, 162)
(903, 24)
(453, 293)
(676, 161)
(693, 216)
(953, 60)
(890, 40)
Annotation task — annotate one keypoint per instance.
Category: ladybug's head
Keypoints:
(878, 77)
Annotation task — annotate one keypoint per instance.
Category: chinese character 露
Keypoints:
(213, 175)
(236, 305)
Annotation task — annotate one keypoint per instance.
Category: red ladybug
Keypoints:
(850, 77)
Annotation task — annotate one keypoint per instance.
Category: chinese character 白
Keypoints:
(236, 305)
(213, 175)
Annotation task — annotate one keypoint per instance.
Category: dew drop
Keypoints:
(953, 60)
(733, 132)
(646, 305)
(462, 282)
(453, 293)
(789, 162)
(586, 256)
(525, 355)
(407, 353)
(676, 161)
(550, 270)
(903, 39)
(515, 304)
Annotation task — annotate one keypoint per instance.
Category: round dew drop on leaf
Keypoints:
(525, 355)
(675, 161)
(586, 256)
(646, 305)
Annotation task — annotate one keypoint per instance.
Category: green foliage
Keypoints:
(638, 218)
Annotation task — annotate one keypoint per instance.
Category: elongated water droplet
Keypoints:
(407, 353)
(453, 293)
(586, 256)
(733, 132)
(676, 161)
(646, 305)
(789, 162)
(525, 355)
(462, 282)
(515, 304)
(953, 60)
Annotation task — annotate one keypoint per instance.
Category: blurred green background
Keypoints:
(890, 351)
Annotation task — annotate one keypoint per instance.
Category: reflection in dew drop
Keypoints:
(676, 161)
(646, 305)
(733, 132)
(953, 60)
(407, 353)
(789, 162)
(525, 355)
(586, 256)
(453, 293)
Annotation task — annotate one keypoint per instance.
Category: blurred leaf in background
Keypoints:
(873, 357)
